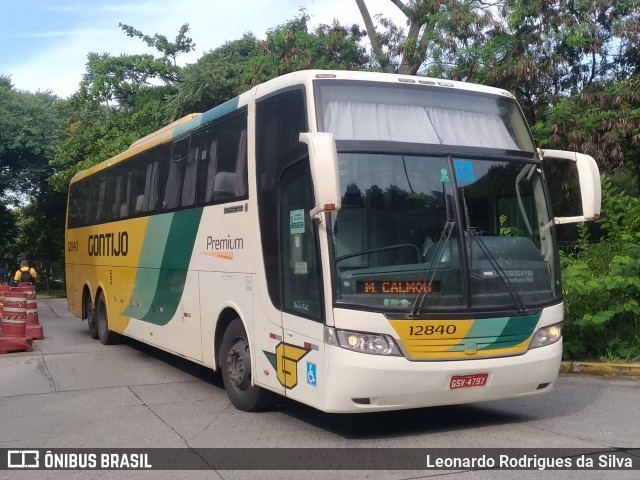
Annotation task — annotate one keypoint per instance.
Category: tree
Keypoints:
(127, 80)
(7, 232)
(540, 50)
(602, 284)
(238, 65)
(120, 99)
(291, 47)
(435, 28)
(551, 49)
(29, 129)
(602, 121)
(170, 50)
(96, 132)
(39, 233)
(217, 76)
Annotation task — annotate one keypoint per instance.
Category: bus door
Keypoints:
(301, 353)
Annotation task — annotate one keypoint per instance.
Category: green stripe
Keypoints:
(498, 333)
(516, 331)
(220, 111)
(166, 253)
(208, 116)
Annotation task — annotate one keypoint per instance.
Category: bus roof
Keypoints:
(307, 76)
(303, 77)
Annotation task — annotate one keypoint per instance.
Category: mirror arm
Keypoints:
(316, 214)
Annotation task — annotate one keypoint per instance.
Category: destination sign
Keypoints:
(401, 287)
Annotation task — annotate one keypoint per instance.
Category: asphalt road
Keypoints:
(73, 392)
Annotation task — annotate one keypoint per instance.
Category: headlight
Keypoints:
(547, 336)
(372, 343)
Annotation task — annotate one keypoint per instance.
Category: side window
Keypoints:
(144, 187)
(180, 168)
(174, 166)
(78, 204)
(300, 264)
(279, 120)
(87, 201)
(126, 190)
(117, 203)
(98, 209)
(188, 197)
(223, 161)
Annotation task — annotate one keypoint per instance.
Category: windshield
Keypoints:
(400, 244)
(421, 114)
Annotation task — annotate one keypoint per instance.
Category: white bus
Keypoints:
(353, 241)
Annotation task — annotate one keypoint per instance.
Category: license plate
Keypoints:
(468, 381)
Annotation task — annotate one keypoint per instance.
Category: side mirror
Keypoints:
(589, 183)
(323, 159)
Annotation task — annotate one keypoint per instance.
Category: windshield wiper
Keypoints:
(418, 302)
(508, 285)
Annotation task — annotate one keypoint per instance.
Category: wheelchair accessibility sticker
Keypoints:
(312, 378)
(464, 171)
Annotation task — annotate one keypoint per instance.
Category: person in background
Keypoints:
(25, 273)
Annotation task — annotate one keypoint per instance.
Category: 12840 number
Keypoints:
(417, 330)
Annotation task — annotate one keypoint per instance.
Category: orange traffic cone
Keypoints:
(14, 323)
(34, 329)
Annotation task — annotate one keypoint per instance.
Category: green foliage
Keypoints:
(602, 121)
(170, 50)
(39, 234)
(602, 284)
(217, 76)
(237, 66)
(505, 230)
(120, 99)
(128, 80)
(441, 39)
(291, 47)
(29, 129)
(98, 133)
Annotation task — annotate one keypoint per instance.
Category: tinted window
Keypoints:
(180, 163)
(279, 120)
(223, 162)
(128, 189)
(300, 264)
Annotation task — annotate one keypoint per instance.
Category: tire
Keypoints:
(91, 318)
(106, 336)
(235, 362)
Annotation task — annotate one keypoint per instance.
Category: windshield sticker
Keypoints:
(444, 175)
(296, 222)
(464, 171)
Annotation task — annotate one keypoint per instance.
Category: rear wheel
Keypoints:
(90, 315)
(106, 336)
(235, 363)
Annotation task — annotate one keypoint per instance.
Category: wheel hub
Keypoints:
(239, 366)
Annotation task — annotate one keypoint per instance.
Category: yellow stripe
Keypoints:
(437, 339)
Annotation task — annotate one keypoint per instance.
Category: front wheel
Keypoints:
(235, 363)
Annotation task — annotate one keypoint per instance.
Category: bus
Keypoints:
(353, 241)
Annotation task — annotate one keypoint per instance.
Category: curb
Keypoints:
(598, 368)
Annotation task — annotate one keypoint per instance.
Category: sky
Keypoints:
(44, 43)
